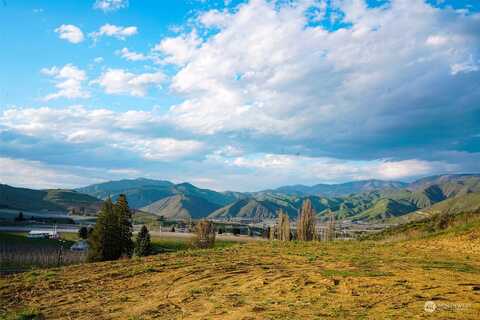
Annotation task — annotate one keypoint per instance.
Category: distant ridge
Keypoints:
(47, 200)
(341, 189)
(142, 192)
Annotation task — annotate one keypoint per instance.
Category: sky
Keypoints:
(238, 95)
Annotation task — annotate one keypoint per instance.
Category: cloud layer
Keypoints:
(267, 93)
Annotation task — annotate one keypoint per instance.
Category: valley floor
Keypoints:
(265, 280)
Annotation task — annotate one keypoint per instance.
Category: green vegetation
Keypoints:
(267, 280)
(143, 245)
(181, 207)
(456, 213)
(111, 237)
(53, 200)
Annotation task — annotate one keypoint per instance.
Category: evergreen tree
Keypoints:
(143, 246)
(20, 217)
(125, 224)
(83, 233)
(106, 235)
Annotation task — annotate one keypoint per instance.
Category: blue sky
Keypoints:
(239, 95)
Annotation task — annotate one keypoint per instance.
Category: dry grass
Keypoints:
(265, 280)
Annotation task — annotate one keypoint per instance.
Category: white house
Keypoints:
(80, 245)
(52, 234)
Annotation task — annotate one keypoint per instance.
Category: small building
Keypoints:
(45, 234)
(80, 245)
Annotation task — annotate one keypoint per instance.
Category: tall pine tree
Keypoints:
(125, 224)
(106, 235)
(143, 246)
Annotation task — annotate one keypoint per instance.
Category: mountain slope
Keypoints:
(140, 192)
(143, 192)
(465, 203)
(450, 184)
(459, 214)
(50, 200)
(181, 207)
(341, 189)
(252, 209)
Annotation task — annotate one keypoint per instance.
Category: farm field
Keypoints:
(266, 280)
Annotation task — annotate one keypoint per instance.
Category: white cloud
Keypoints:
(437, 40)
(118, 130)
(214, 18)
(131, 55)
(267, 69)
(178, 50)
(465, 67)
(119, 81)
(98, 60)
(302, 168)
(68, 79)
(35, 174)
(111, 30)
(110, 5)
(70, 33)
(165, 149)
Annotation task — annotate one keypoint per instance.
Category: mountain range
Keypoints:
(367, 200)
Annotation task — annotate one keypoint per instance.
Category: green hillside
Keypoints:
(47, 200)
(461, 211)
(252, 209)
(143, 192)
(369, 200)
(181, 207)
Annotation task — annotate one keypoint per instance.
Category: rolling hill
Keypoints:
(181, 207)
(462, 212)
(47, 200)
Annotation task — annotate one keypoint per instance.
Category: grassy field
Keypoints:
(266, 280)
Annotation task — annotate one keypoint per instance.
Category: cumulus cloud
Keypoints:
(119, 81)
(70, 33)
(280, 92)
(69, 80)
(178, 50)
(110, 5)
(99, 127)
(368, 87)
(118, 32)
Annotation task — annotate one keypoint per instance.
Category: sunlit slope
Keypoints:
(341, 280)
